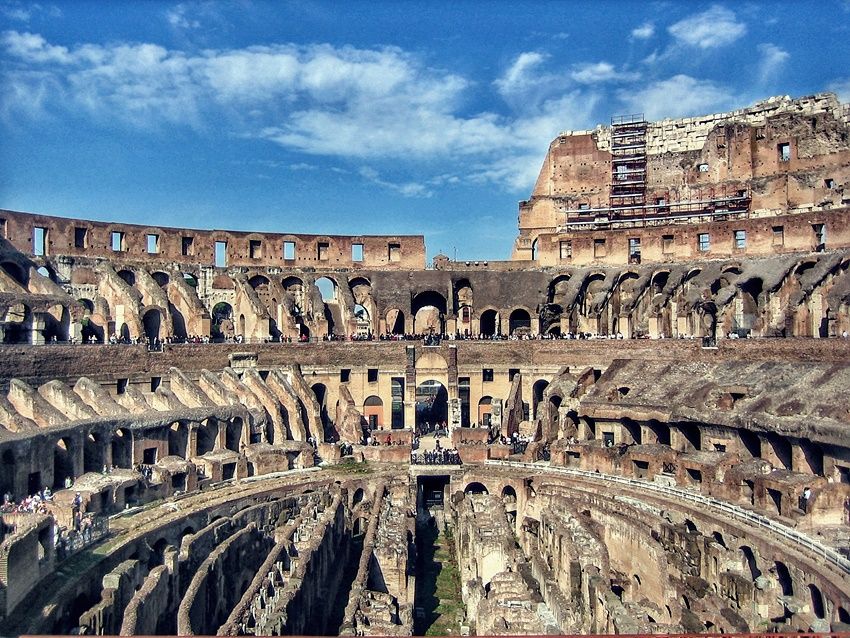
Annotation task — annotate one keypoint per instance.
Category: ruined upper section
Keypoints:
(46, 235)
(655, 179)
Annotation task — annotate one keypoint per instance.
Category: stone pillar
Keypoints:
(496, 415)
(410, 388)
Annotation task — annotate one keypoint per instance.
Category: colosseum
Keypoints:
(634, 425)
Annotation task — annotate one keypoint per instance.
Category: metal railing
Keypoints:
(738, 513)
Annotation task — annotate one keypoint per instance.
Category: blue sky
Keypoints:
(364, 117)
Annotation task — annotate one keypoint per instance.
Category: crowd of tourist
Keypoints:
(437, 456)
(32, 504)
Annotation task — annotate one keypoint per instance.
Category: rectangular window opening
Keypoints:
(704, 242)
(567, 249)
(289, 250)
(599, 248)
(829, 183)
(740, 237)
(819, 231)
(155, 383)
(394, 252)
(3, 229)
(255, 248)
(344, 375)
(667, 244)
(703, 168)
(121, 386)
(39, 241)
(356, 252)
(220, 254)
(117, 239)
(634, 249)
(487, 374)
(81, 237)
(779, 235)
(512, 372)
(187, 246)
(372, 375)
(153, 244)
(784, 152)
(322, 251)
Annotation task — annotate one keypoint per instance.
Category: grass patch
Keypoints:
(447, 615)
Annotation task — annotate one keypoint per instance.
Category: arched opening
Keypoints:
(485, 411)
(463, 304)
(537, 391)
(749, 562)
(18, 322)
(206, 435)
(327, 288)
(15, 272)
(63, 463)
(222, 321)
(432, 405)
(233, 434)
(57, 324)
(783, 577)
(488, 324)
(358, 496)
(359, 528)
(178, 440)
(475, 488)
(47, 273)
(535, 250)
(373, 412)
(128, 276)
(509, 495)
(93, 453)
(190, 280)
(395, 322)
(818, 608)
(429, 313)
(122, 448)
(124, 333)
(520, 322)
(321, 391)
(161, 278)
(152, 321)
(362, 321)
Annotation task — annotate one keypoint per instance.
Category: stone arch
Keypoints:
(128, 276)
(429, 312)
(489, 323)
(48, 273)
(373, 411)
(475, 487)
(395, 321)
(358, 496)
(222, 320)
(152, 321)
(431, 403)
(57, 323)
(328, 288)
(519, 322)
(161, 278)
(485, 410)
(749, 562)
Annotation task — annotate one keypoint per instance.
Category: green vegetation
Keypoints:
(438, 593)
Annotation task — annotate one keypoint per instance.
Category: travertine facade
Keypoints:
(653, 445)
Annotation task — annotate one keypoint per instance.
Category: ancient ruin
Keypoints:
(639, 424)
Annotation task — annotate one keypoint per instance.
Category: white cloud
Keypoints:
(25, 12)
(593, 72)
(772, 60)
(715, 27)
(678, 96)
(406, 189)
(177, 16)
(379, 104)
(644, 31)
